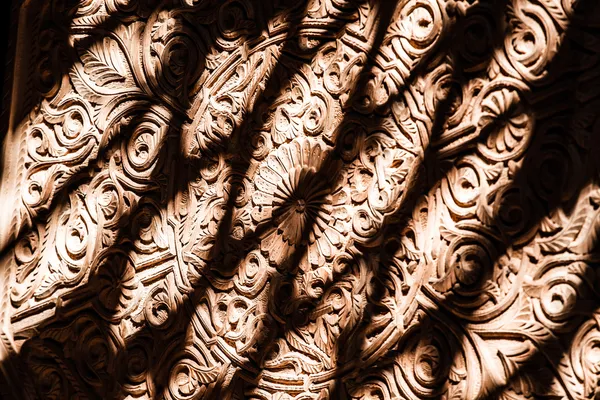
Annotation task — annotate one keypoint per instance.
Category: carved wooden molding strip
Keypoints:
(346, 199)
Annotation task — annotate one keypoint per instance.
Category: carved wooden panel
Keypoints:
(346, 199)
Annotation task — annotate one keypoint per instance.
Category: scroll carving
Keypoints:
(302, 200)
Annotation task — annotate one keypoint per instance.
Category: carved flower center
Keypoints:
(300, 206)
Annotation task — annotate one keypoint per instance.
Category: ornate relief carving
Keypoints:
(302, 200)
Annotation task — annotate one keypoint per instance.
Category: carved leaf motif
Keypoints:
(493, 172)
(91, 20)
(49, 283)
(556, 11)
(205, 375)
(588, 236)
(538, 333)
(104, 63)
(565, 237)
(309, 365)
(325, 337)
(455, 392)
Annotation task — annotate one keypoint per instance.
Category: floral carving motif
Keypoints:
(305, 209)
(301, 200)
(503, 115)
(116, 284)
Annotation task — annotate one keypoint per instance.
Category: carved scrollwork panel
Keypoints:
(302, 200)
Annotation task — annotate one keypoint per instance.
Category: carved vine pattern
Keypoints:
(305, 200)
